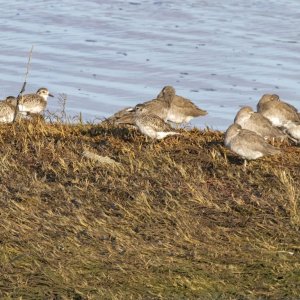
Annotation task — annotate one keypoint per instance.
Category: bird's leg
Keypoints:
(273, 141)
(151, 144)
(245, 164)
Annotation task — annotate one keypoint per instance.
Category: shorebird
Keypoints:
(170, 107)
(123, 114)
(181, 110)
(256, 122)
(152, 125)
(7, 109)
(34, 103)
(159, 107)
(247, 144)
(277, 111)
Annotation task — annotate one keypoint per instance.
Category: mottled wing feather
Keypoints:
(155, 122)
(156, 107)
(30, 101)
(121, 116)
(5, 109)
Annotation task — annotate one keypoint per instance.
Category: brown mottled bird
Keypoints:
(158, 107)
(277, 111)
(248, 119)
(34, 103)
(247, 144)
(169, 107)
(7, 109)
(149, 124)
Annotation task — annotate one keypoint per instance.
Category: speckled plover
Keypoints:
(7, 109)
(152, 125)
(34, 103)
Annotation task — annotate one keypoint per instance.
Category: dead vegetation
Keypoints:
(175, 219)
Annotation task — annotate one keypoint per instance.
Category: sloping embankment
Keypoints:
(175, 219)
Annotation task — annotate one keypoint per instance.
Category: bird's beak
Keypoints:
(203, 112)
(50, 95)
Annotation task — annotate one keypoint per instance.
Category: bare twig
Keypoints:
(62, 98)
(24, 84)
(101, 159)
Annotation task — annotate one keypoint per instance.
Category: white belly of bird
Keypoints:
(243, 150)
(276, 121)
(147, 130)
(249, 154)
(178, 118)
(34, 110)
(162, 134)
(295, 132)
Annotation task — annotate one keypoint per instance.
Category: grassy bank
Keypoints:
(177, 219)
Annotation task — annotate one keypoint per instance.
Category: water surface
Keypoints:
(106, 55)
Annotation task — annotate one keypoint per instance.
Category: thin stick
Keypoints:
(20, 96)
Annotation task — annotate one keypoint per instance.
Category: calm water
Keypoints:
(109, 54)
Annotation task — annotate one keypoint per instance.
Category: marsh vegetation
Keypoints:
(179, 218)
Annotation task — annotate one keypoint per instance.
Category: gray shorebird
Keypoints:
(7, 109)
(34, 103)
(277, 111)
(181, 110)
(247, 144)
(152, 125)
(256, 122)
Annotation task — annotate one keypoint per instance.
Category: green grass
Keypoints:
(177, 219)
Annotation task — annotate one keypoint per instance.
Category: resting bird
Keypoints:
(247, 143)
(7, 109)
(256, 122)
(181, 110)
(277, 111)
(151, 125)
(168, 106)
(120, 115)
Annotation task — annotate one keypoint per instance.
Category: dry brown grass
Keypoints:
(177, 219)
